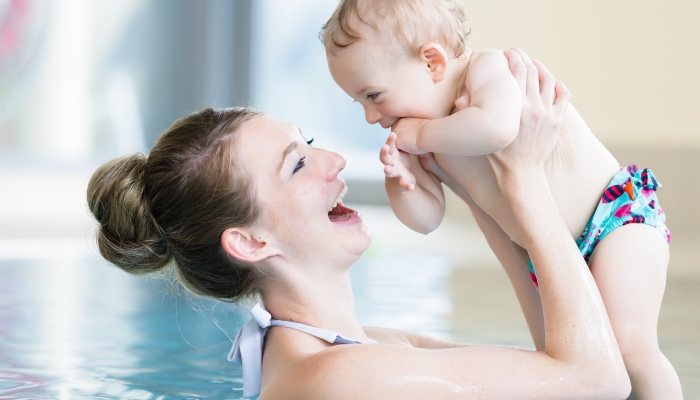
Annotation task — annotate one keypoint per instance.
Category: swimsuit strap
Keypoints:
(248, 345)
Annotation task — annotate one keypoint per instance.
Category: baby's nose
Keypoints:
(372, 116)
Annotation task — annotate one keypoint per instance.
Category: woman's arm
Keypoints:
(512, 257)
(581, 359)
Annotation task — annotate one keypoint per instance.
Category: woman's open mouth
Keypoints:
(340, 214)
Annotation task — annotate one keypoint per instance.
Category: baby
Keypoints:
(408, 64)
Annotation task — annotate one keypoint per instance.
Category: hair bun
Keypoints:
(128, 235)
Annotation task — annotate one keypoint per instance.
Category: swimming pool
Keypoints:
(83, 329)
(75, 327)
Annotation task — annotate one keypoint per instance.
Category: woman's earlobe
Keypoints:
(243, 245)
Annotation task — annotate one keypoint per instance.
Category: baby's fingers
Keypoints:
(385, 155)
(407, 181)
(391, 141)
(389, 171)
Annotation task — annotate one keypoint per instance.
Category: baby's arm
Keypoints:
(415, 196)
(512, 257)
(488, 124)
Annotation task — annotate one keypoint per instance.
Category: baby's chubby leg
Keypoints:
(629, 265)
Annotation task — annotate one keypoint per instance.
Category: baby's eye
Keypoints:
(372, 96)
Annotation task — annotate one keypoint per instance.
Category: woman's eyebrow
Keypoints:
(286, 152)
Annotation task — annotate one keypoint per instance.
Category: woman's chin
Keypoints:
(354, 235)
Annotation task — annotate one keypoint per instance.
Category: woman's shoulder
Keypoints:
(306, 368)
(330, 372)
(309, 369)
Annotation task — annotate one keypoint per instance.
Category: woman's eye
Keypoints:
(299, 165)
(372, 96)
(310, 142)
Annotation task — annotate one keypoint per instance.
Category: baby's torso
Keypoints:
(578, 171)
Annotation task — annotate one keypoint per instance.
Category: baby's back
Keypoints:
(578, 171)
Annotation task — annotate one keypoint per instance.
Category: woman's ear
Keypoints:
(435, 57)
(243, 245)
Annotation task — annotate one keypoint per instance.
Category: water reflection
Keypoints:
(405, 292)
(82, 329)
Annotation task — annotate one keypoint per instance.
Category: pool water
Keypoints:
(72, 326)
(84, 329)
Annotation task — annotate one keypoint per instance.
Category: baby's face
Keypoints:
(389, 84)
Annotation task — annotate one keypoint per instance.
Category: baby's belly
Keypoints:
(578, 172)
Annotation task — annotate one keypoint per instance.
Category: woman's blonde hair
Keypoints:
(171, 207)
(411, 23)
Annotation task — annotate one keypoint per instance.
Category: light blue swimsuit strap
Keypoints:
(248, 345)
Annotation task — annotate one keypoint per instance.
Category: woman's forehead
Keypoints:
(269, 131)
(264, 139)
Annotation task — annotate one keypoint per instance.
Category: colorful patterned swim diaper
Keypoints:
(629, 199)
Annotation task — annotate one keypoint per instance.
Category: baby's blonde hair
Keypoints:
(411, 23)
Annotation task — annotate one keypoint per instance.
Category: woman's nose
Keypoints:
(336, 163)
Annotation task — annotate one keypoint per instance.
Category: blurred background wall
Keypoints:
(84, 81)
(630, 64)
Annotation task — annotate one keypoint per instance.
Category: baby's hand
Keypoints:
(396, 164)
(406, 130)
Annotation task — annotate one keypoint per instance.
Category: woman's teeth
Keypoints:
(339, 199)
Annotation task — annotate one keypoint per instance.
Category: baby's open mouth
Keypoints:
(338, 212)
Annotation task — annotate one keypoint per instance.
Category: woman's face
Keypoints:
(296, 185)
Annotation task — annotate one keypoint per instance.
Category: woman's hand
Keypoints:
(544, 102)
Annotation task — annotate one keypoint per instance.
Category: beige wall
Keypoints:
(631, 65)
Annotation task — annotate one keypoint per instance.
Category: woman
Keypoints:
(240, 202)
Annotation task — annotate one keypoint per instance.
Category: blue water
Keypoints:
(84, 329)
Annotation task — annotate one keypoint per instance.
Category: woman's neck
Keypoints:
(323, 299)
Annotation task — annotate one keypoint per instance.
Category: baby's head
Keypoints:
(396, 57)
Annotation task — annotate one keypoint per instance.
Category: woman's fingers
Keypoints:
(533, 84)
(562, 100)
(546, 85)
(519, 71)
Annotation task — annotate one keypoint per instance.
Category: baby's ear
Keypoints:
(435, 58)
